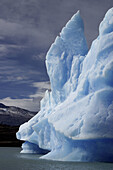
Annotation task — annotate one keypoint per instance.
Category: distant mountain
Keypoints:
(14, 116)
(3, 106)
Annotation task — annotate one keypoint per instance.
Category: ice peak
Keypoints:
(70, 43)
(106, 25)
(74, 17)
(73, 35)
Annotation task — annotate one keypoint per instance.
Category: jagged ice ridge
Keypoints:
(75, 121)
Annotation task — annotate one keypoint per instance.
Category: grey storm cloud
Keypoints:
(49, 16)
(24, 34)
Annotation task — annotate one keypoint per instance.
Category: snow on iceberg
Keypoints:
(75, 122)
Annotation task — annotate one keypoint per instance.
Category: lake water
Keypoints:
(11, 159)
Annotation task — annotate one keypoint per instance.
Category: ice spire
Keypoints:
(70, 43)
(106, 25)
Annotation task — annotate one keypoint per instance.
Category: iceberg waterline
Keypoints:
(75, 121)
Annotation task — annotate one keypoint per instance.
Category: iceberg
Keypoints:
(75, 121)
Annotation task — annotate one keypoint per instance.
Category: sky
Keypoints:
(27, 30)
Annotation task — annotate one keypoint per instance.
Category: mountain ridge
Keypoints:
(14, 116)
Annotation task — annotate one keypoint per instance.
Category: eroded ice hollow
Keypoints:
(75, 121)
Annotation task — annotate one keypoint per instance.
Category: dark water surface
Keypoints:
(11, 159)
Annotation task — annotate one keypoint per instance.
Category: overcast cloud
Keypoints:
(33, 102)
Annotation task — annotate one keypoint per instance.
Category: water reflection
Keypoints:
(28, 156)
